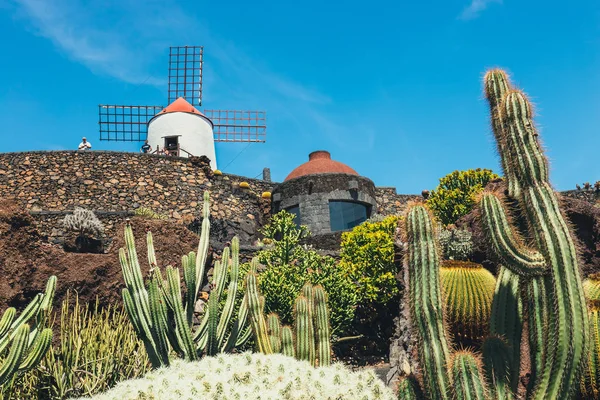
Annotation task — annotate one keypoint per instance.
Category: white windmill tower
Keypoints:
(180, 128)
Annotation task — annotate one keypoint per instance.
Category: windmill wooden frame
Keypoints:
(129, 123)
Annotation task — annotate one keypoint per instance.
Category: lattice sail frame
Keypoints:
(129, 123)
(238, 126)
(124, 123)
(185, 74)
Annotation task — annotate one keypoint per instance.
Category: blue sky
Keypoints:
(392, 88)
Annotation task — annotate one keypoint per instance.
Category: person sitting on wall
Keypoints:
(84, 145)
(146, 147)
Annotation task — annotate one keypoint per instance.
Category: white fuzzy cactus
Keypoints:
(251, 376)
(84, 222)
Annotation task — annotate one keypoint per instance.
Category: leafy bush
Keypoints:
(251, 376)
(367, 255)
(455, 195)
(289, 265)
(97, 349)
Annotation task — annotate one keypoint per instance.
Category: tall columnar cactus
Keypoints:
(312, 341)
(157, 310)
(546, 275)
(28, 341)
(468, 381)
(425, 299)
(502, 350)
(560, 323)
(468, 289)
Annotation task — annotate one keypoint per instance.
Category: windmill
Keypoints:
(180, 128)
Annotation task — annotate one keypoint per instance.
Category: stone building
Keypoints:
(326, 195)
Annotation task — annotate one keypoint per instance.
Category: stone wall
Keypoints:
(391, 203)
(113, 183)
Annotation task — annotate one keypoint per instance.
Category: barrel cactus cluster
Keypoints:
(544, 272)
(24, 340)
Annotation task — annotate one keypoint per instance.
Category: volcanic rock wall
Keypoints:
(50, 184)
(113, 184)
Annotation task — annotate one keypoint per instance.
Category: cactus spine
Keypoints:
(590, 381)
(28, 342)
(312, 341)
(468, 289)
(158, 314)
(557, 349)
(468, 382)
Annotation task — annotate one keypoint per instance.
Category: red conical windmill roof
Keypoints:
(180, 105)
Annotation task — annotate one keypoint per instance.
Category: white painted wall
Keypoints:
(196, 134)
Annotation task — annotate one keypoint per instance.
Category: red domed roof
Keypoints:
(320, 162)
(180, 105)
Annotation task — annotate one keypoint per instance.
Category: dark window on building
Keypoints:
(295, 210)
(346, 214)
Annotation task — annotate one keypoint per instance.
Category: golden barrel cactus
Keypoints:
(467, 289)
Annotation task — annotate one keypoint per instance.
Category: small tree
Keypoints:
(455, 195)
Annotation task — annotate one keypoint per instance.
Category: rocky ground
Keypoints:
(27, 260)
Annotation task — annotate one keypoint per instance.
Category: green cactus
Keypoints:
(28, 342)
(408, 388)
(274, 327)
(157, 309)
(590, 380)
(305, 335)
(502, 350)
(559, 338)
(287, 342)
(323, 331)
(425, 299)
(468, 289)
(547, 276)
(312, 341)
(467, 377)
(591, 287)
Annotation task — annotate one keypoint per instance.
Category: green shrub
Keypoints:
(367, 255)
(146, 212)
(97, 349)
(251, 376)
(455, 195)
(289, 265)
(456, 244)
